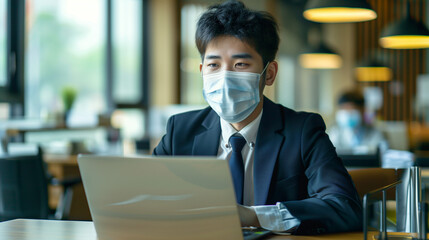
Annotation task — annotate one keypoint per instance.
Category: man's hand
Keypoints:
(248, 216)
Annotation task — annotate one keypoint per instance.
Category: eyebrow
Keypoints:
(212, 57)
(235, 56)
(242, 55)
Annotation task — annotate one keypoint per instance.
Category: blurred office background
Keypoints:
(133, 63)
(103, 76)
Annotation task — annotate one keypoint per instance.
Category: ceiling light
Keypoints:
(373, 71)
(320, 58)
(338, 11)
(405, 34)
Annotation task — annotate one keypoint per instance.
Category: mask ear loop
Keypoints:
(263, 71)
(262, 75)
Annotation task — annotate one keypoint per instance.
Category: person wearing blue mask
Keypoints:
(287, 176)
(352, 134)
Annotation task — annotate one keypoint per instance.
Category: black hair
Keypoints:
(352, 97)
(232, 18)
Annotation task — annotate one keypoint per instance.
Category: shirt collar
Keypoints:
(249, 132)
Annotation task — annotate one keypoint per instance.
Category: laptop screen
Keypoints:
(160, 197)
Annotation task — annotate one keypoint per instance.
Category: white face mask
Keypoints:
(348, 118)
(232, 95)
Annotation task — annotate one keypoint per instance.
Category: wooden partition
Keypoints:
(399, 94)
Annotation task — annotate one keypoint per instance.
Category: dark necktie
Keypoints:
(236, 166)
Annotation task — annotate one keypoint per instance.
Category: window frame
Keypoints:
(13, 92)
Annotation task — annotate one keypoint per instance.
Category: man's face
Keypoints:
(227, 53)
(349, 115)
(349, 106)
(231, 54)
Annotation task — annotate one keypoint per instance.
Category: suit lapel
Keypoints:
(206, 143)
(267, 148)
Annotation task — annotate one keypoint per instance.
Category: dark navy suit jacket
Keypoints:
(294, 163)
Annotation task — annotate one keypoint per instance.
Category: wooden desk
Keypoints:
(25, 229)
(63, 166)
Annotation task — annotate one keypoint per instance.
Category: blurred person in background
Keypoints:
(352, 132)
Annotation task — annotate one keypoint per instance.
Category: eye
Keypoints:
(241, 65)
(212, 65)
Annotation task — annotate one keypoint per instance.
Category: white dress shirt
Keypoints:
(272, 217)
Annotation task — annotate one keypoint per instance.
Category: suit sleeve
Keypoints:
(333, 204)
(165, 145)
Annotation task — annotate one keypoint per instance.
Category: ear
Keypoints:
(271, 74)
(201, 67)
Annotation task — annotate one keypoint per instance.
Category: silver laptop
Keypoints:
(161, 198)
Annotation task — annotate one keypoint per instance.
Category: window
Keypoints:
(191, 81)
(128, 71)
(3, 43)
(91, 49)
(127, 51)
(65, 49)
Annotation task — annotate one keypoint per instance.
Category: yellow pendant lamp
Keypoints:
(373, 71)
(406, 33)
(339, 11)
(320, 58)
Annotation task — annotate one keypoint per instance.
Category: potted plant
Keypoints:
(68, 95)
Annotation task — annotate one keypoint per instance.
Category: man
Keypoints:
(286, 174)
(352, 134)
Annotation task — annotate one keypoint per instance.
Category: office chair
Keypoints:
(404, 187)
(24, 188)
(368, 179)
